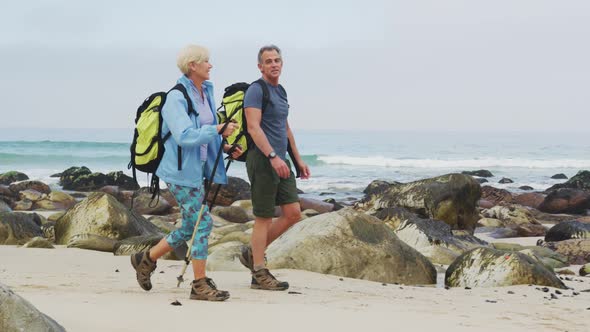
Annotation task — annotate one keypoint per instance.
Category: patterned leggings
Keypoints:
(189, 200)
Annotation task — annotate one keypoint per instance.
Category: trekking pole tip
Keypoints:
(180, 280)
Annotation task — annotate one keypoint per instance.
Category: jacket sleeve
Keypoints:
(183, 130)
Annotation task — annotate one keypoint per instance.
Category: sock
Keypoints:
(259, 267)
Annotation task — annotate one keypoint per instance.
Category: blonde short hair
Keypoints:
(191, 53)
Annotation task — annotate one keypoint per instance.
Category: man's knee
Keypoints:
(263, 221)
(292, 215)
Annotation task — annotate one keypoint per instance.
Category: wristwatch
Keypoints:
(272, 154)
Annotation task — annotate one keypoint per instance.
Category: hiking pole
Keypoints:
(187, 259)
(230, 159)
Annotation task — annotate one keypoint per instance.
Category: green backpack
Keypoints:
(232, 109)
(147, 147)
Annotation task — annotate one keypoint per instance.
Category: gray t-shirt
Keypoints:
(274, 117)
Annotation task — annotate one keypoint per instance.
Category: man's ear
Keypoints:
(260, 67)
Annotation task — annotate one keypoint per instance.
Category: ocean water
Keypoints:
(342, 163)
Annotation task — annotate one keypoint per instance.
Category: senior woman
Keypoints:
(198, 136)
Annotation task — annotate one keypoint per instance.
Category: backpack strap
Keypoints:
(190, 110)
(265, 93)
(189, 103)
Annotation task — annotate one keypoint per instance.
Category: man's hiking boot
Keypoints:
(144, 267)
(263, 279)
(206, 290)
(246, 258)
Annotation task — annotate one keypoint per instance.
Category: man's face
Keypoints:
(271, 65)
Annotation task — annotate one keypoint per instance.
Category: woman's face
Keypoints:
(201, 70)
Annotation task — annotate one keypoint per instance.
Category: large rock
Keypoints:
(24, 205)
(511, 215)
(235, 189)
(18, 227)
(481, 173)
(82, 179)
(245, 204)
(549, 258)
(12, 176)
(92, 242)
(566, 200)
(579, 181)
(17, 187)
(485, 267)
(394, 216)
(577, 251)
(451, 198)
(137, 244)
(377, 187)
(48, 230)
(559, 176)
(233, 214)
(18, 314)
(350, 244)
(314, 204)
(101, 214)
(224, 257)
(30, 194)
(435, 240)
(66, 200)
(143, 203)
(56, 200)
(496, 195)
(122, 181)
(38, 242)
(568, 230)
(4, 207)
(166, 224)
(585, 270)
(529, 199)
(69, 178)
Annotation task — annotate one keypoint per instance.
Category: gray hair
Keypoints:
(268, 48)
(191, 53)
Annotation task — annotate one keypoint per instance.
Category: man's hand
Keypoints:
(280, 167)
(304, 170)
(236, 153)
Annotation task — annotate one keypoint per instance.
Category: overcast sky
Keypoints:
(389, 65)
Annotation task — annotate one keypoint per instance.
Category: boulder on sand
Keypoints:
(350, 244)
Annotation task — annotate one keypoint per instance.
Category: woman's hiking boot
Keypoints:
(206, 290)
(263, 279)
(144, 267)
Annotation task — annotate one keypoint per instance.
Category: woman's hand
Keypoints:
(231, 127)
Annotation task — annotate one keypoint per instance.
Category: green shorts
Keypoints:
(268, 189)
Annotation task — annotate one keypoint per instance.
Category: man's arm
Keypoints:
(253, 118)
(303, 168)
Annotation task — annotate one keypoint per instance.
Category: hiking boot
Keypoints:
(144, 267)
(206, 290)
(263, 279)
(246, 258)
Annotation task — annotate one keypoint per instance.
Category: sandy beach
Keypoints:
(86, 290)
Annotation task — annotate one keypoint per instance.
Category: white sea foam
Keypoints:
(381, 161)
